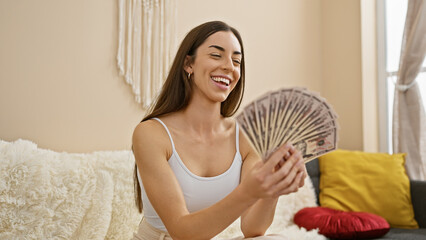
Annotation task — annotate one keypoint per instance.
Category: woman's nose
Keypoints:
(228, 64)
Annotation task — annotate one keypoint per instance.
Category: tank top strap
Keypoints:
(168, 132)
(237, 137)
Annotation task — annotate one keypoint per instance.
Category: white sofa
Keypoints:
(58, 195)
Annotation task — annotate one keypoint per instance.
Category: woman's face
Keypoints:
(216, 69)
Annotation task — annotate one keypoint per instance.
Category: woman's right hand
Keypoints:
(275, 177)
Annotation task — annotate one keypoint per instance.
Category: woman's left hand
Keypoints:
(302, 168)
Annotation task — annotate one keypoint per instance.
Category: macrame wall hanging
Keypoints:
(146, 44)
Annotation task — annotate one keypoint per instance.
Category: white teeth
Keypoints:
(219, 79)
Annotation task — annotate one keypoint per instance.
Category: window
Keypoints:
(391, 20)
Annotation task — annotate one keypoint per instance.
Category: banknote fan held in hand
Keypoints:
(293, 115)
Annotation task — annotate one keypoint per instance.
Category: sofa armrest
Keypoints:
(418, 198)
(312, 168)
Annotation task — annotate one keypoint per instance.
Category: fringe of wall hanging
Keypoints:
(146, 44)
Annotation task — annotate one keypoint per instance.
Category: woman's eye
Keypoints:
(215, 55)
(237, 61)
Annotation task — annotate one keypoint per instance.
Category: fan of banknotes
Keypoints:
(293, 115)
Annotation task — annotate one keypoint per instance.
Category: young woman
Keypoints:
(196, 172)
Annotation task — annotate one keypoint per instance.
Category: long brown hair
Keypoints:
(176, 91)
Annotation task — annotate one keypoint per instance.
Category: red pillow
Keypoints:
(342, 225)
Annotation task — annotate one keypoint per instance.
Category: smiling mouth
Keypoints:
(221, 80)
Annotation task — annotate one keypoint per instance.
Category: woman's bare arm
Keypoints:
(257, 219)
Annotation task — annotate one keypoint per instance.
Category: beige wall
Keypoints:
(341, 63)
(59, 85)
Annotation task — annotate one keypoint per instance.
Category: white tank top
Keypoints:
(199, 192)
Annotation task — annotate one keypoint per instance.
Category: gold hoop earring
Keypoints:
(189, 76)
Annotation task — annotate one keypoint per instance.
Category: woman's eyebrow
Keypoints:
(223, 49)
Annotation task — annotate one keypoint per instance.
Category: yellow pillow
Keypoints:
(367, 182)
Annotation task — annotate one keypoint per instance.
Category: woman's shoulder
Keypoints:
(150, 131)
(147, 126)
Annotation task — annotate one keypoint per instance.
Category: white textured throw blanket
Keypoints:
(50, 195)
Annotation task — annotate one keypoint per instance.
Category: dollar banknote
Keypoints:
(290, 115)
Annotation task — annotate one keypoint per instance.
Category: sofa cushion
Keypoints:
(340, 224)
(405, 234)
(367, 182)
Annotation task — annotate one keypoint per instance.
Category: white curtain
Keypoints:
(146, 45)
(409, 120)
